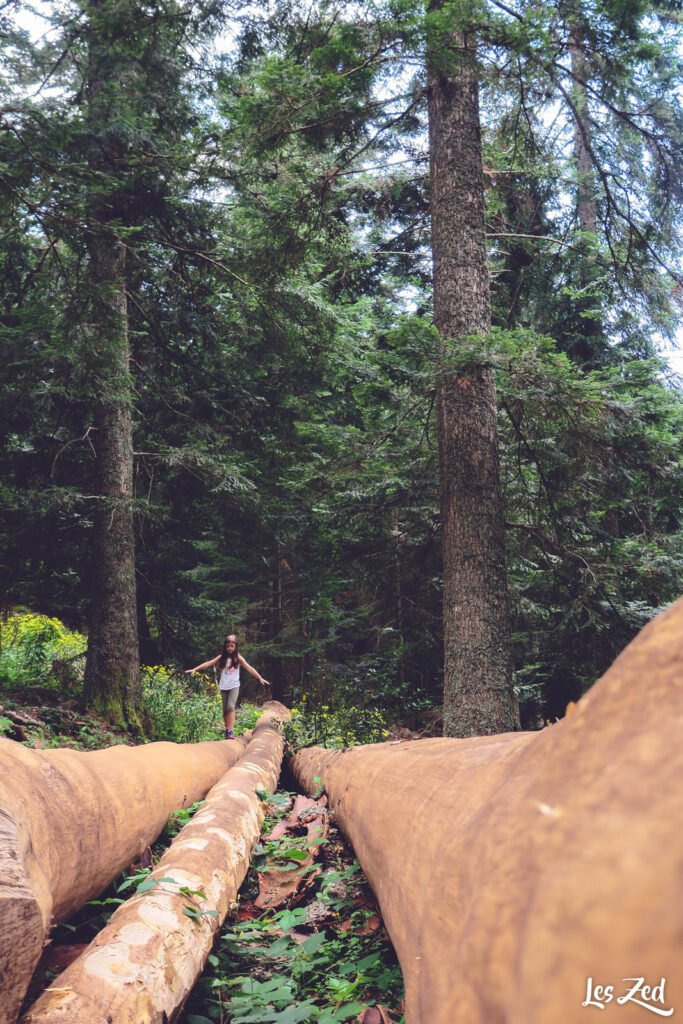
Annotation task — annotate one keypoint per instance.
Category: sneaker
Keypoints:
(229, 734)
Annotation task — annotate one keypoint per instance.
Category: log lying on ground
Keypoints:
(511, 869)
(70, 822)
(145, 961)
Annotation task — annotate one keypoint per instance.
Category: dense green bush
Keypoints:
(178, 712)
(342, 726)
(38, 648)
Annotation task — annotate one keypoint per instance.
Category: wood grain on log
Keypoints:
(510, 869)
(70, 822)
(143, 964)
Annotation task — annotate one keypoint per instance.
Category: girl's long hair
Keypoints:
(224, 653)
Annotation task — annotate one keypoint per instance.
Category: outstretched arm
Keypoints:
(206, 664)
(245, 664)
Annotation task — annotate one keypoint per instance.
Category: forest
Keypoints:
(340, 326)
(346, 327)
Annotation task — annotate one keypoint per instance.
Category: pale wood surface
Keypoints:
(143, 964)
(70, 822)
(512, 868)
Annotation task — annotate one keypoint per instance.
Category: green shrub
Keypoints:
(30, 644)
(177, 710)
(342, 727)
(246, 718)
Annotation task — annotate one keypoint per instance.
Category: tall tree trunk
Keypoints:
(112, 673)
(586, 207)
(588, 305)
(478, 693)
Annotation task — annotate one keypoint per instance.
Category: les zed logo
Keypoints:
(641, 994)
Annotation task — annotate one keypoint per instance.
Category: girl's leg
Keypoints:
(229, 705)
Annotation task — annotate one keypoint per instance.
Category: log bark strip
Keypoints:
(277, 887)
(144, 963)
(70, 822)
(512, 868)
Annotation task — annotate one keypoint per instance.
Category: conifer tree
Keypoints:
(478, 694)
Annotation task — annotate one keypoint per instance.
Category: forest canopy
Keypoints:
(243, 280)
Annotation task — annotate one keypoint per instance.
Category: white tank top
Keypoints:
(230, 678)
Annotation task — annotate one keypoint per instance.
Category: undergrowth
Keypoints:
(41, 671)
(324, 961)
(336, 727)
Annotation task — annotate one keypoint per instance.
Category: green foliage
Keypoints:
(338, 727)
(274, 209)
(246, 717)
(30, 644)
(179, 819)
(177, 711)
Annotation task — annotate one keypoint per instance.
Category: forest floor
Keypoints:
(42, 717)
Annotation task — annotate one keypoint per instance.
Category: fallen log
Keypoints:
(145, 961)
(513, 869)
(20, 717)
(70, 822)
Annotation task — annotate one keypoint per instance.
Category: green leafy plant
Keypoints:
(246, 718)
(337, 727)
(177, 711)
(37, 648)
(178, 820)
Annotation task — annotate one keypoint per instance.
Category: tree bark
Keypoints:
(111, 683)
(141, 967)
(478, 694)
(70, 822)
(510, 869)
(586, 206)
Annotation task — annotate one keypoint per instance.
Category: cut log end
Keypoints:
(25, 907)
(21, 942)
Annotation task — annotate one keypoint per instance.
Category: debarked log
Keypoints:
(142, 965)
(71, 821)
(525, 878)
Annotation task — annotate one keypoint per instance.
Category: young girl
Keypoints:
(229, 661)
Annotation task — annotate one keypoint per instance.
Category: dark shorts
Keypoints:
(229, 699)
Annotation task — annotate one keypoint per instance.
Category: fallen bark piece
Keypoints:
(70, 822)
(511, 869)
(374, 1015)
(276, 887)
(145, 961)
